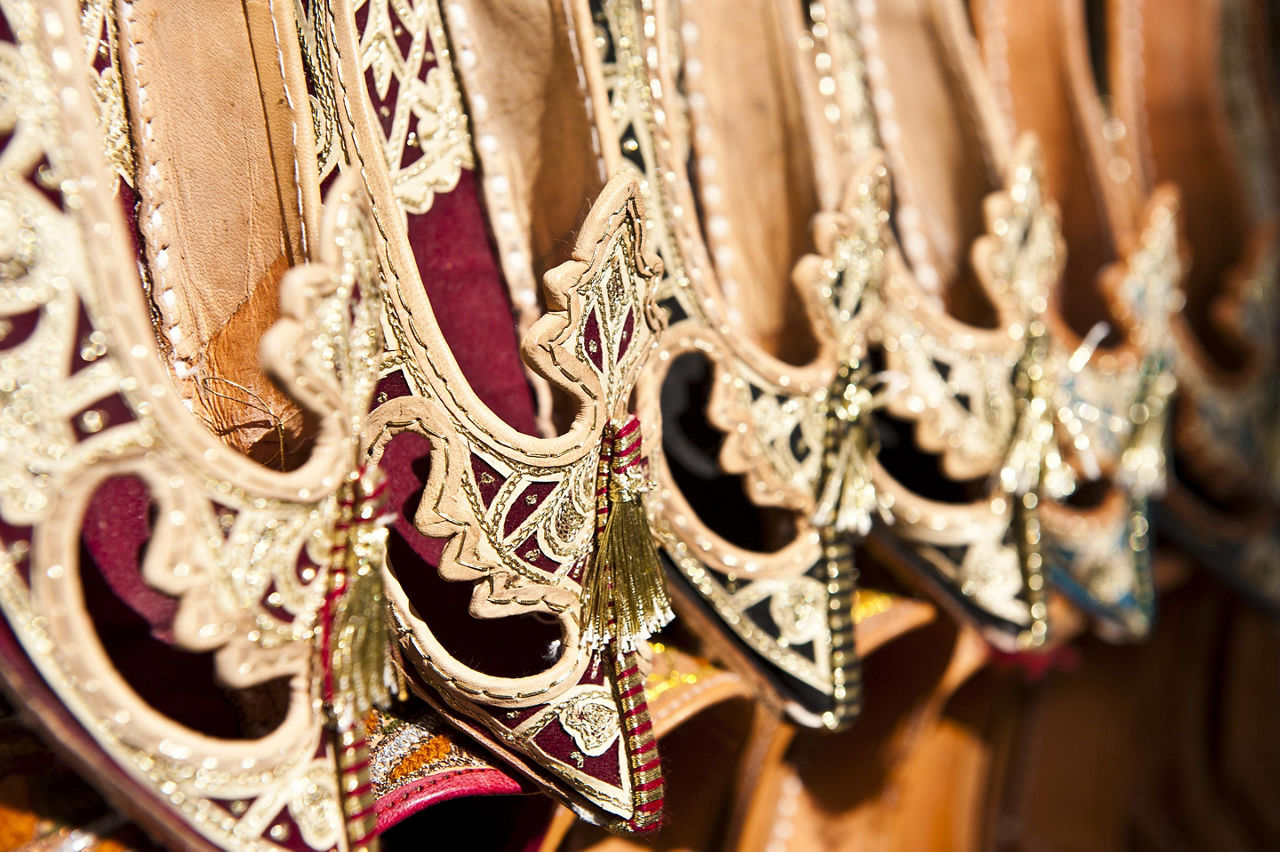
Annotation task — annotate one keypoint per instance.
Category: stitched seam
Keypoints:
(585, 90)
(916, 246)
(515, 250)
(293, 125)
(1135, 47)
(673, 706)
(154, 226)
(996, 52)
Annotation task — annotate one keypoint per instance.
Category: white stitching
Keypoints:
(153, 225)
(293, 124)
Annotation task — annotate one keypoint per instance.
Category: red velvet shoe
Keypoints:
(186, 623)
(521, 612)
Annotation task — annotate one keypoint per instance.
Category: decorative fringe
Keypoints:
(1034, 465)
(356, 663)
(624, 592)
(1142, 465)
(846, 497)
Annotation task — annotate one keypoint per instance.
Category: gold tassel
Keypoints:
(361, 674)
(358, 672)
(624, 592)
(846, 497)
(1142, 465)
(1033, 464)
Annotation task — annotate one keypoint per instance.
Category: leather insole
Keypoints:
(758, 201)
(222, 214)
(1043, 102)
(1190, 144)
(537, 113)
(934, 128)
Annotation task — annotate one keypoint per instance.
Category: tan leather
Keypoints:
(1261, 22)
(531, 119)
(1170, 95)
(1115, 753)
(1079, 743)
(937, 126)
(1245, 740)
(754, 170)
(1034, 49)
(221, 214)
(882, 623)
(535, 121)
(773, 803)
(1181, 721)
(951, 782)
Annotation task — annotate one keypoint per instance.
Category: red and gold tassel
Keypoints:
(624, 593)
(624, 601)
(356, 667)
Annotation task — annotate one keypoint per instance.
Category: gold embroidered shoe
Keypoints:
(1173, 86)
(200, 633)
(703, 715)
(522, 576)
(773, 261)
(967, 447)
(1109, 350)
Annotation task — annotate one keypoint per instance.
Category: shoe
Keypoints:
(199, 632)
(771, 258)
(963, 463)
(512, 622)
(1109, 344)
(1171, 94)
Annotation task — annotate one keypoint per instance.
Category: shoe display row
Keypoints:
(752, 425)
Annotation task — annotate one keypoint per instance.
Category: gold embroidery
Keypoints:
(247, 590)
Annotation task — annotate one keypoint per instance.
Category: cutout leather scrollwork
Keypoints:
(242, 550)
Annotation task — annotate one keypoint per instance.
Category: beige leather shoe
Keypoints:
(965, 457)
(521, 609)
(180, 617)
(773, 262)
(1109, 319)
(1173, 90)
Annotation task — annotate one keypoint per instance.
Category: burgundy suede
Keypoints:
(134, 622)
(117, 524)
(462, 278)
(38, 704)
(555, 741)
(21, 327)
(514, 646)
(460, 273)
